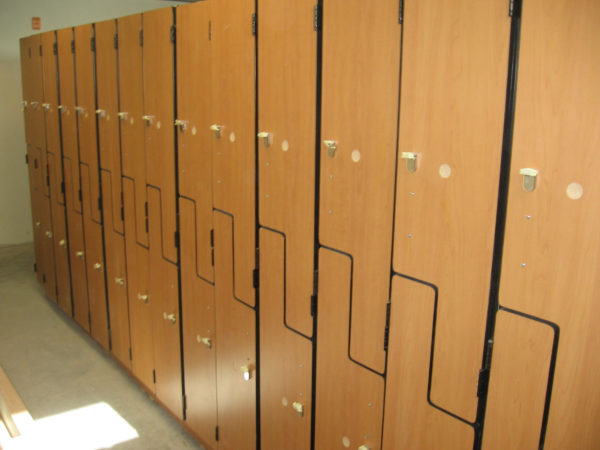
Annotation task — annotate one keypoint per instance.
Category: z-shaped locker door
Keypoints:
(68, 121)
(112, 194)
(163, 236)
(544, 390)
(196, 217)
(90, 182)
(360, 73)
(287, 68)
(454, 71)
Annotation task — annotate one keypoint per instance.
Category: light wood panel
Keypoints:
(140, 303)
(198, 318)
(33, 165)
(86, 115)
(159, 131)
(232, 107)
(108, 121)
(285, 357)
(131, 102)
(454, 76)
(410, 421)
(517, 392)
(194, 138)
(551, 250)
(359, 111)
(235, 345)
(349, 397)
(164, 294)
(287, 51)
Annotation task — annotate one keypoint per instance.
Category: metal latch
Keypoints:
(170, 317)
(331, 147)
(266, 137)
(411, 161)
(529, 178)
(79, 110)
(79, 254)
(122, 115)
(182, 124)
(143, 297)
(148, 119)
(100, 113)
(46, 106)
(98, 267)
(204, 340)
(299, 408)
(120, 281)
(245, 372)
(217, 129)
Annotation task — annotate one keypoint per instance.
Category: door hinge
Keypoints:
(80, 195)
(56, 290)
(55, 48)
(43, 278)
(35, 267)
(35, 163)
(253, 24)
(482, 382)
(141, 38)
(154, 376)
(26, 159)
(386, 334)
(401, 12)
(122, 214)
(146, 211)
(217, 433)
(40, 50)
(317, 17)
(184, 401)
(514, 8)
(116, 41)
(172, 34)
(212, 237)
(176, 238)
(73, 46)
(313, 305)
(93, 43)
(47, 175)
(130, 355)
(62, 187)
(255, 278)
(99, 203)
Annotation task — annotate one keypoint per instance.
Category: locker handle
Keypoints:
(34, 104)
(49, 234)
(331, 147)
(245, 372)
(217, 129)
(411, 161)
(266, 137)
(122, 115)
(120, 281)
(24, 105)
(170, 317)
(148, 118)
(62, 108)
(46, 106)
(299, 408)
(79, 254)
(529, 178)
(143, 297)
(62, 243)
(79, 110)
(100, 113)
(182, 124)
(98, 267)
(204, 340)
(37, 224)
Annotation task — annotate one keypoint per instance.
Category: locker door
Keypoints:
(140, 308)
(236, 348)
(360, 73)
(33, 158)
(131, 105)
(450, 142)
(68, 122)
(195, 216)
(110, 161)
(36, 90)
(158, 117)
(25, 85)
(287, 70)
(232, 121)
(552, 241)
(54, 171)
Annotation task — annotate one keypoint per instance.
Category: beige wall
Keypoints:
(15, 22)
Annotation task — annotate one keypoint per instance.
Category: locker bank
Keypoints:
(321, 224)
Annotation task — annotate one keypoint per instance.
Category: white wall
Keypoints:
(15, 23)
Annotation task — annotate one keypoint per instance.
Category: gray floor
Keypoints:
(56, 368)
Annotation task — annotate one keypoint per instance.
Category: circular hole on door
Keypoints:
(232, 137)
(574, 191)
(346, 441)
(284, 401)
(194, 130)
(158, 124)
(131, 121)
(285, 145)
(445, 171)
(355, 155)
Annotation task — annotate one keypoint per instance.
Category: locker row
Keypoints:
(321, 226)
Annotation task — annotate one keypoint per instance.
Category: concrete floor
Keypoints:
(71, 387)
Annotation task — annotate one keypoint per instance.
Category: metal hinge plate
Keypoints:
(173, 34)
(116, 41)
(253, 24)
(93, 43)
(317, 17)
(255, 278)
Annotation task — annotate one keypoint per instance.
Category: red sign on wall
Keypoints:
(36, 23)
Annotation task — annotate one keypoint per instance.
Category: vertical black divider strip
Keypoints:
(99, 167)
(177, 221)
(256, 229)
(401, 24)
(507, 141)
(318, 75)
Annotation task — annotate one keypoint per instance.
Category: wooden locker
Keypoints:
(236, 348)
(68, 122)
(551, 247)
(454, 75)
(140, 308)
(287, 76)
(232, 126)
(90, 183)
(158, 117)
(54, 171)
(131, 105)
(195, 217)
(112, 194)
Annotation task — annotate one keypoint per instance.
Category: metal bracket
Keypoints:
(411, 161)
(100, 113)
(217, 129)
(331, 147)
(529, 178)
(182, 124)
(266, 137)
